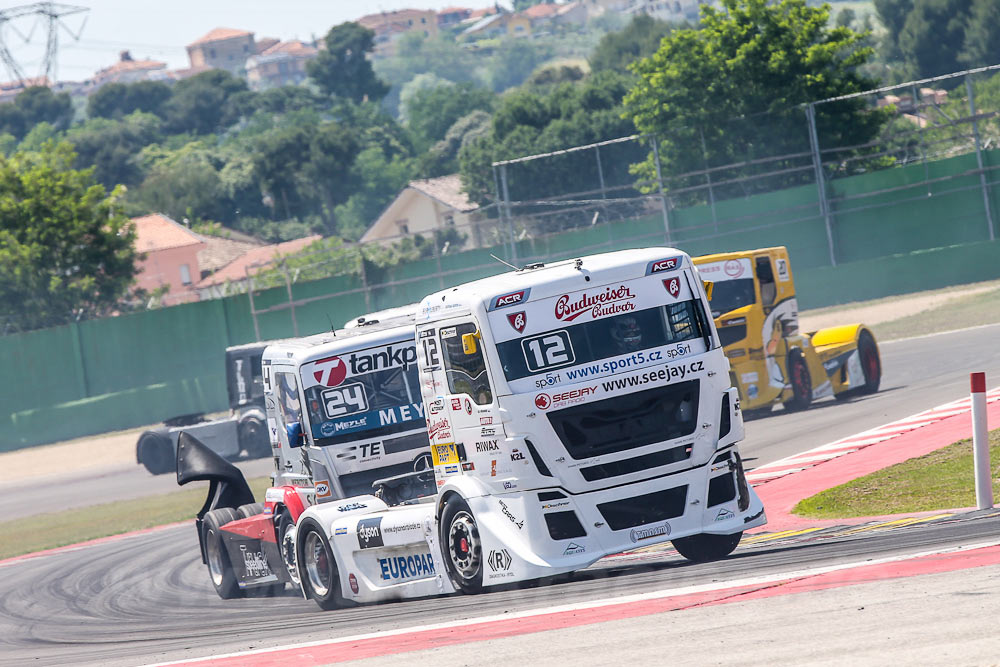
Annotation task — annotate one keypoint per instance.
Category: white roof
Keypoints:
(342, 341)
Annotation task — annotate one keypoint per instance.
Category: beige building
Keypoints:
(424, 207)
(171, 257)
(130, 70)
(390, 26)
(222, 48)
(282, 64)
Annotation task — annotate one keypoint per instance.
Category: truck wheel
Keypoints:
(220, 570)
(801, 381)
(286, 544)
(156, 453)
(706, 547)
(463, 552)
(246, 511)
(870, 363)
(253, 438)
(320, 579)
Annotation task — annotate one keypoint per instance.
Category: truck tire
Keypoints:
(801, 381)
(318, 567)
(460, 545)
(220, 569)
(253, 437)
(246, 511)
(706, 547)
(871, 364)
(155, 451)
(287, 546)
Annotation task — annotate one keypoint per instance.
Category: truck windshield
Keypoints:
(601, 339)
(729, 295)
(388, 400)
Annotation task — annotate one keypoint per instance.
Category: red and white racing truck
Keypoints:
(574, 410)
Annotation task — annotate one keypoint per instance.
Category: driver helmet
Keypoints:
(627, 334)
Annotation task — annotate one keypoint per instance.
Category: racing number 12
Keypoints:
(547, 351)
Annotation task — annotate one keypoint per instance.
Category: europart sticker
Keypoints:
(511, 299)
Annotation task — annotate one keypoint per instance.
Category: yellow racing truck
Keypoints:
(752, 295)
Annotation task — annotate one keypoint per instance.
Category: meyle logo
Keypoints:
(639, 534)
(612, 301)
(511, 299)
(661, 265)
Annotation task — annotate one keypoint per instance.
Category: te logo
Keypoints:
(371, 449)
(330, 371)
(673, 286)
(543, 401)
(518, 321)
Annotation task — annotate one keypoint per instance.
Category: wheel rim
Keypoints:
(463, 545)
(288, 554)
(214, 548)
(870, 364)
(800, 381)
(317, 564)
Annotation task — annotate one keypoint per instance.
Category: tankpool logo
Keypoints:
(330, 371)
(406, 567)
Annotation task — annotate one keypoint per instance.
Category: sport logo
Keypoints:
(543, 401)
(518, 321)
(661, 265)
(673, 286)
(330, 371)
(612, 301)
(511, 299)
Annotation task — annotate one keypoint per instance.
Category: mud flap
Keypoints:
(227, 485)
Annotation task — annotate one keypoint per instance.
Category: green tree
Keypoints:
(183, 183)
(639, 39)
(116, 100)
(205, 103)
(442, 158)
(932, 37)
(431, 111)
(343, 68)
(66, 249)
(111, 146)
(981, 46)
(755, 61)
(892, 14)
(37, 104)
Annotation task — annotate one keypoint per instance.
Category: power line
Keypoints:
(52, 14)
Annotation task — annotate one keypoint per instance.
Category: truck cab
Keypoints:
(573, 410)
(756, 313)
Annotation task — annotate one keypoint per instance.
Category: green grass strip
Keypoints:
(57, 529)
(942, 479)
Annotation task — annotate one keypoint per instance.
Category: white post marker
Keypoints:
(981, 443)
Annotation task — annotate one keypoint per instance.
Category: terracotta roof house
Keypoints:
(171, 257)
(222, 48)
(232, 277)
(282, 64)
(388, 26)
(130, 70)
(452, 15)
(424, 206)
(546, 13)
(9, 90)
(218, 252)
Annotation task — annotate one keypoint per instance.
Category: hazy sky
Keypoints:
(160, 30)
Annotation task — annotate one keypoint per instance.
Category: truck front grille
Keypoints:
(647, 508)
(629, 421)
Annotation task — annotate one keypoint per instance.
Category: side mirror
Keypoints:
(709, 286)
(469, 342)
(296, 438)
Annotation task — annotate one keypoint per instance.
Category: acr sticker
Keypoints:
(511, 299)
(661, 265)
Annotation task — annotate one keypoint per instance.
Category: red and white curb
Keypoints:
(853, 443)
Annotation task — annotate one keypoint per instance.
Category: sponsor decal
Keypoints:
(468, 466)
(552, 506)
(661, 265)
(509, 485)
(781, 265)
(406, 567)
(487, 432)
(485, 421)
(456, 404)
(752, 391)
(493, 468)
(516, 455)
(639, 534)
(370, 533)
(511, 299)
(426, 333)
(666, 373)
(724, 515)
(273, 495)
(733, 268)
(574, 548)
(323, 489)
(340, 531)
(510, 515)
(448, 332)
(518, 321)
(451, 470)
(436, 406)
(354, 583)
(612, 301)
(499, 560)
(439, 430)
(673, 286)
(748, 377)
(446, 454)
(468, 407)
(487, 446)
(330, 371)
(350, 507)
(255, 563)
(543, 401)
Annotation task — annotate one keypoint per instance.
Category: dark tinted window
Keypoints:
(729, 295)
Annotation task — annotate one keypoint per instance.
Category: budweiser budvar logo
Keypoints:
(609, 302)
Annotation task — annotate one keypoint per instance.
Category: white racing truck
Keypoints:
(574, 411)
(343, 410)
